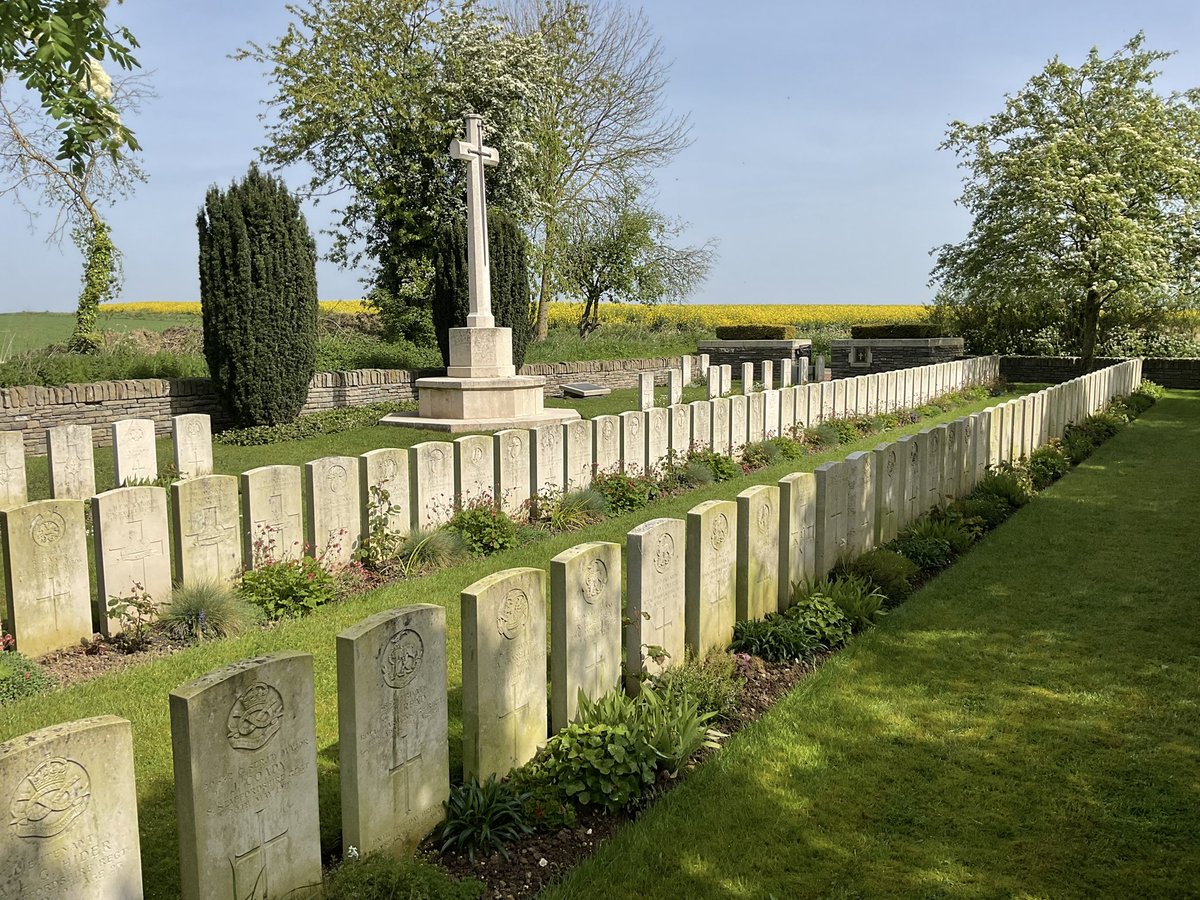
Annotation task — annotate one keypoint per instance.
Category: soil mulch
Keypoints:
(101, 656)
(540, 859)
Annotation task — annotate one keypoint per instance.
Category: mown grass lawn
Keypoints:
(1028, 725)
(140, 693)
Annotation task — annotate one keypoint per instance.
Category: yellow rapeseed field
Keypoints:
(193, 308)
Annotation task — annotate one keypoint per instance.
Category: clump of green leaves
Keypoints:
(328, 421)
(424, 551)
(776, 638)
(483, 818)
(1009, 482)
(987, 507)
(891, 573)
(722, 467)
(381, 876)
(485, 528)
(860, 601)
(135, 613)
(599, 764)
(933, 543)
(712, 679)
(624, 492)
(574, 510)
(20, 677)
(288, 587)
(1047, 464)
(758, 454)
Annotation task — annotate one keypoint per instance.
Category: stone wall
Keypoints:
(735, 353)
(1180, 374)
(865, 357)
(34, 409)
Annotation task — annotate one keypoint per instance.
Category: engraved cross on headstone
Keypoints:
(276, 524)
(208, 535)
(251, 870)
(511, 720)
(406, 748)
(58, 591)
(476, 156)
(135, 550)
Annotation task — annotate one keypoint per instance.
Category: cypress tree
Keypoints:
(258, 295)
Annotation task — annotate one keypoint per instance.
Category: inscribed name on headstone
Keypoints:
(633, 443)
(645, 390)
(244, 743)
(71, 813)
(392, 728)
(70, 459)
(758, 552)
(206, 529)
(431, 474)
(797, 532)
(578, 454)
(514, 470)
(474, 471)
(711, 591)
(133, 554)
(756, 415)
(832, 515)
(272, 515)
(135, 455)
(654, 598)
(585, 627)
(192, 439)
(860, 502)
(681, 429)
(658, 436)
(546, 442)
(702, 434)
(334, 511)
(384, 485)
(12, 469)
(738, 423)
(49, 597)
(503, 671)
(889, 491)
(606, 444)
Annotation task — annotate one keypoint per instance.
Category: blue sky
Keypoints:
(814, 159)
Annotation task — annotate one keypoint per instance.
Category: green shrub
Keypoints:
(755, 332)
(599, 765)
(258, 295)
(697, 473)
(330, 421)
(20, 677)
(544, 807)
(1008, 482)
(1047, 464)
(1132, 406)
(856, 596)
(723, 468)
(897, 331)
(624, 492)
(207, 610)
(820, 617)
(346, 352)
(484, 528)
(890, 572)
(288, 587)
(789, 448)
(933, 544)
(1078, 445)
(1103, 425)
(50, 367)
(776, 638)
(712, 679)
(988, 508)
(758, 454)
(483, 818)
(574, 510)
(822, 437)
(381, 876)
(1150, 390)
(424, 551)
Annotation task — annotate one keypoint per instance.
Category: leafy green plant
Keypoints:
(988, 508)
(722, 467)
(891, 573)
(1078, 445)
(595, 764)
(777, 638)
(544, 807)
(207, 610)
(20, 677)
(381, 876)
(821, 618)
(329, 421)
(696, 473)
(712, 679)
(933, 543)
(574, 509)
(861, 602)
(288, 587)
(625, 492)
(1150, 390)
(135, 613)
(484, 528)
(483, 818)
(789, 448)
(1047, 464)
(1010, 483)
(423, 551)
(822, 437)
(758, 454)
(379, 548)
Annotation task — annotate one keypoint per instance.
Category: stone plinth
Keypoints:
(457, 404)
(481, 353)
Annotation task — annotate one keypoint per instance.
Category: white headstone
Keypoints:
(548, 460)
(726, 379)
(654, 602)
(685, 374)
(832, 515)
(758, 551)
(771, 413)
(787, 411)
(272, 514)
(889, 491)
(135, 455)
(675, 384)
(739, 425)
(514, 470)
(786, 372)
(714, 383)
(334, 510)
(681, 429)
(747, 378)
(756, 417)
(72, 465)
(768, 375)
(720, 425)
(192, 439)
(702, 435)
(133, 556)
(860, 502)
(797, 532)
(633, 443)
(658, 437)
(704, 365)
(385, 487)
(646, 390)
(474, 471)
(206, 526)
(12, 469)
(711, 589)
(431, 471)
(606, 444)
(578, 454)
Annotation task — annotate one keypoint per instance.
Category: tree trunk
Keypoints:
(542, 327)
(1090, 331)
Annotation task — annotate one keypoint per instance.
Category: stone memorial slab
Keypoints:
(1029, 424)
(739, 424)
(787, 410)
(685, 373)
(206, 529)
(995, 427)
(720, 425)
(710, 600)
(966, 456)
(931, 468)
(911, 485)
(12, 469)
(952, 470)
(585, 627)
(681, 429)
(832, 515)
(840, 409)
(474, 470)
(747, 378)
(786, 372)
(135, 455)
(244, 743)
(48, 594)
(548, 460)
(797, 532)
(133, 556)
(828, 405)
(726, 379)
(272, 512)
(504, 671)
(191, 437)
(1008, 427)
(758, 552)
(654, 598)
(771, 404)
(70, 459)
(393, 747)
(704, 364)
(860, 502)
(431, 483)
(889, 491)
(802, 371)
(675, 384)
(385, 486)
(71, 804)
(646, 390)
(334, 509)
(633, 443)
(702, 428)
(714, 383)
(756, 418)
(577, 454)
(606, 443)
(768, 375)
(585, 389)
(658, 437)
(819, 368)
(514, 471)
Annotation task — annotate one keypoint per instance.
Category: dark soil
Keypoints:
(101, 656)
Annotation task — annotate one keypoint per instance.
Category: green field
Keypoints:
(23, 331)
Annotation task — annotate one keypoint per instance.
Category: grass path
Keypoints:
(1026, 726)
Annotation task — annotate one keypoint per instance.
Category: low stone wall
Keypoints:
(1180, 374)
(734, 353)
(866, 357)
(32, 410)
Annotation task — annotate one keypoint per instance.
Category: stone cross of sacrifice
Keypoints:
(476, 156)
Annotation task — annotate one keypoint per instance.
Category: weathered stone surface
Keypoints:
(633, 443)
(787, 368)
(606, 443)
(504, 671)
(514, 474)
(577, 450)
(49, 597)
(135, 455)
(710, 607)
(474, 470)
(912, 487)
(797, 532)
(431, 472)
(675, 383)
(685, 374)
(705, 364)
(191, 436)
(860, 502)
(747, 378)
(702, 433)
(889, 491)
(654, 599)
(206, 529)
(758, 551)
(819, 368)
(681, 428)
(720, 425)
(714, 383)
(771, 403)
(548, 460)
(386, 489)
(952, 470)
(132, 549)
(585, 627)
(272, 515)
(787, 410)
(832, 515)
(756, 417)
(738, 423)
(827, 400)
(768, 375)
(726, 379)
(658, 435)
(244, 743)
(12, 469)
(393, 749)
(334, 508)
(839, 410)
(71, 804)
(71, 461)
(646, 390)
